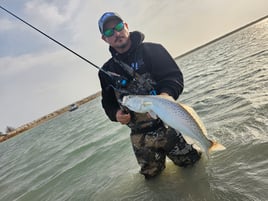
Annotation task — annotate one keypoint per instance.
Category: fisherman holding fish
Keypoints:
(142, 68)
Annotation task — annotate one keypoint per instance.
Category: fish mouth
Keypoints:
(124, 100)
(127, 102)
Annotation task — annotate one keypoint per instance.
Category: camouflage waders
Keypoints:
(151, 149)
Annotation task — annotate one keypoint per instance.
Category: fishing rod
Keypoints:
(116, 77)
(54, 40)
(119, 79)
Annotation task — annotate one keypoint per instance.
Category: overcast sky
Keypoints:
(37, 76)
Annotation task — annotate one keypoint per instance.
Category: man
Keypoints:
(142, 68)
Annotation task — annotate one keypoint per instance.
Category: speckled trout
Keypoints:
(178, 116)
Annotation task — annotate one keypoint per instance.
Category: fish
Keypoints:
(176, 115)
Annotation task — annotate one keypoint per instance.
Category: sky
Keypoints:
(37, 76)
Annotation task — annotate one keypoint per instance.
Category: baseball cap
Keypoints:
(106, 17)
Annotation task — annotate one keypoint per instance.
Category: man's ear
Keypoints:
(126, 25)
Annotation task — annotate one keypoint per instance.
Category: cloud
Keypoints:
(46, 13)
(50, 14)
(6, 25)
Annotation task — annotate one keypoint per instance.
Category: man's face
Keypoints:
(120, 39)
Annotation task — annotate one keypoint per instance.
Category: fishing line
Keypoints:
(52, 39)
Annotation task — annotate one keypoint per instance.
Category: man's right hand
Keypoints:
(122, 117)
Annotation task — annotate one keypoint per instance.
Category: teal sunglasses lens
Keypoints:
(119, 26)
(110, 32)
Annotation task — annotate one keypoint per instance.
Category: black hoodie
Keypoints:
(156, 60)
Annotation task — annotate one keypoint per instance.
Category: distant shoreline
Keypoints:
(25, 127)
(219, 38)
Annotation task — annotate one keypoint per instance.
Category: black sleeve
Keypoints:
(109, 101)
(164, 70)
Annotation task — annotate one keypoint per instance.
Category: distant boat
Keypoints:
(73, 107)
(3, 134)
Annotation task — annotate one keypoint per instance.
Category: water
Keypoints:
(81, 155)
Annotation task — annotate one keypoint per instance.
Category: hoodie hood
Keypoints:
(136, 38)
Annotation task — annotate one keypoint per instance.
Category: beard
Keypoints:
(122, 42)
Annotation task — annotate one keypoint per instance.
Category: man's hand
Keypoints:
(122, 117)
(166, 95)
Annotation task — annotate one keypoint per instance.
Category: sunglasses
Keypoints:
(110, 32)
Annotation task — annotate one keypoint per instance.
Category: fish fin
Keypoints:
(195, 116)
(152, 114)
(215, 146)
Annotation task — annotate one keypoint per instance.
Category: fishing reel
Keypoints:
(121, 82)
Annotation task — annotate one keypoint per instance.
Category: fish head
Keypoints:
(136, 103)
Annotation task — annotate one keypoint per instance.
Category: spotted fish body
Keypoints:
(176, 115)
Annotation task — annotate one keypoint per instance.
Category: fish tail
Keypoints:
(215, 146)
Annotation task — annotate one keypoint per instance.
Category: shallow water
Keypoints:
(81, 155)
